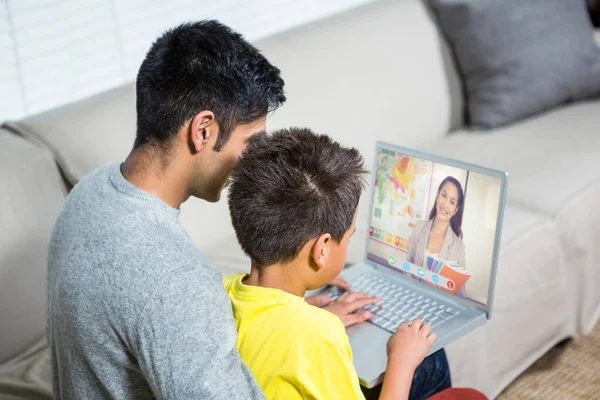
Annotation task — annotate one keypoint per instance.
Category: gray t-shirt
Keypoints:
(135, 310)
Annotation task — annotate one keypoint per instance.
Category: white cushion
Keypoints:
(88, 133)
(379, 72)
(579, 227)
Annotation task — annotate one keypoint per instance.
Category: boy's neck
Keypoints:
(277, 276)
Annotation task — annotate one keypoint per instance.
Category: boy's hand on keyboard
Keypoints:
(346, 305)
(339, 285)
(410, 344)
(339, 282)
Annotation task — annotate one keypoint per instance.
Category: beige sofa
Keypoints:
(379, 72)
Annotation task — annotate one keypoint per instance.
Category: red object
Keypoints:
(458, 394)
(450, 285)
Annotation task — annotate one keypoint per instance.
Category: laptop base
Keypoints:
(369, 341)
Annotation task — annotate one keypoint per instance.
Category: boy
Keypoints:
(293, 203)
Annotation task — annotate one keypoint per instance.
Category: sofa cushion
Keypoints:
(28, 375)
(550, 158)
(579, 223)
(30, 200)
(378, 72)
(85, 134)
(519, 57)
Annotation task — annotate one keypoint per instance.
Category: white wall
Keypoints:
(57, 51)
(479, 231)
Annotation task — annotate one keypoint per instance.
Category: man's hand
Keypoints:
(346, 305)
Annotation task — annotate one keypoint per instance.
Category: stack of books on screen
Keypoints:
(449, 270)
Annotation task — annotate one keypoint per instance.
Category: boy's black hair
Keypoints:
(203, 66)
(291, 187)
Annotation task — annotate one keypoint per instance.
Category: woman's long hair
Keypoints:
(456, 220)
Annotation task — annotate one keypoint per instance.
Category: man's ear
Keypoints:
(202, 129)
(320, 250)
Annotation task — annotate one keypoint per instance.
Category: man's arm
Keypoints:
(185, 340)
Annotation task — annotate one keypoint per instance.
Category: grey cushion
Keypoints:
(520, 57)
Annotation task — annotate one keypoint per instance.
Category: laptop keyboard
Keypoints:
(397, 304)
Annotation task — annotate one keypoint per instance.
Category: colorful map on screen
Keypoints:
(400, 198)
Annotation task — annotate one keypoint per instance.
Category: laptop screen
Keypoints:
(436, 222)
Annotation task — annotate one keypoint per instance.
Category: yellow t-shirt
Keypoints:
(294, 350)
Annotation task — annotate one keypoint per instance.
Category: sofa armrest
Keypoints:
(30, 200)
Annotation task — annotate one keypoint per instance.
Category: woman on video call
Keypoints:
(441, 235)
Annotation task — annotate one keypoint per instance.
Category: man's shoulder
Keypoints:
(92, 181)
(88, 199)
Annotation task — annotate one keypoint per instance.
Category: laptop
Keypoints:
(431, 251)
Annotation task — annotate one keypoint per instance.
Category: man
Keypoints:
(135, 310)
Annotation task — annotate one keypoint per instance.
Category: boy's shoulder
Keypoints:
(320, 315)
(283, 312)
(323, 326)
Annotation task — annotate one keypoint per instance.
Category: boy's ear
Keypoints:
(320, 250)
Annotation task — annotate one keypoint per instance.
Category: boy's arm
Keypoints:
(398, 378)
(406, 350)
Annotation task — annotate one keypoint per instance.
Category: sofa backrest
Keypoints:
(31, 195)
(378, 72)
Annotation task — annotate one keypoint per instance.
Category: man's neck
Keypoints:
(146, 169)
(277, 276)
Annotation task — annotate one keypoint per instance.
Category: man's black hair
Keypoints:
(291, 187)
(203, 66)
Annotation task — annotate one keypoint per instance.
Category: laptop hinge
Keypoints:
(465, 303)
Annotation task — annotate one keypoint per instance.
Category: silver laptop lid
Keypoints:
(437, 220)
